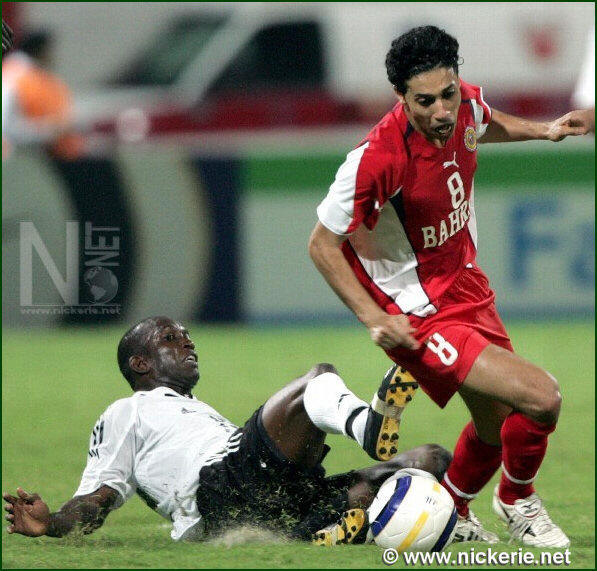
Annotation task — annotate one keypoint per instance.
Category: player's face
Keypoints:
(431, 103)
(174, 359)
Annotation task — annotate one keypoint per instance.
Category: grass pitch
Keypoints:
(56, 383)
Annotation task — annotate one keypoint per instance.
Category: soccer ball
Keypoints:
(412, 512)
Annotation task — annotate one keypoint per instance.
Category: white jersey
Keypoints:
(155, 443)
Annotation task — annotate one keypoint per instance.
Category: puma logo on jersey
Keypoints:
(451, 163)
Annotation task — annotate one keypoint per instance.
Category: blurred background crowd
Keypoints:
(170, 156)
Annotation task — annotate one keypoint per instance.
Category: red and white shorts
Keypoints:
(465, 323)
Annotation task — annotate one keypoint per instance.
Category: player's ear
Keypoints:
(400, 96)
(139, 364)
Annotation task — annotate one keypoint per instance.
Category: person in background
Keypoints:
(36, 104)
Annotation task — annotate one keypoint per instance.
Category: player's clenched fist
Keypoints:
(572, 124)
(28, 514)
(389, 331)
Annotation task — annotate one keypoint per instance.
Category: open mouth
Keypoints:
(444, 130)
(192, 358)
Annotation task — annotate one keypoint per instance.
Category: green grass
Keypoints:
(55, 385)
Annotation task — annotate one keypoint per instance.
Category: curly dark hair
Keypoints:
(420, 50)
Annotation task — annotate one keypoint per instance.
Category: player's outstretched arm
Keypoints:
(387, 331)
(505, 128)
(29, 515)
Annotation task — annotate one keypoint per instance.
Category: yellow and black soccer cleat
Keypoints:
(352, 528)
(383, 422)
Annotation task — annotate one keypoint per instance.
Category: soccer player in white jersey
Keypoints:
(200, 471)
(396, 240)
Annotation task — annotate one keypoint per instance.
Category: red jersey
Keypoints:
(407, 207)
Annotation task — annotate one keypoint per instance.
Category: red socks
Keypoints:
(474, 463)
(524, 443)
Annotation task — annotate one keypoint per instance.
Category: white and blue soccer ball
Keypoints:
(412, 512)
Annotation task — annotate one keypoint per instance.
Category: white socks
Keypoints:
(358, 425)
(329, 404)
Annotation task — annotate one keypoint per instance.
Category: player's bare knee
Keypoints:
(295, 403)
(547, 403)
(288, 402)
(550, 408)
(295, 399)
(300, 385)
(322, 368)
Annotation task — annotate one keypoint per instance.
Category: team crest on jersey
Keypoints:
(470, 139)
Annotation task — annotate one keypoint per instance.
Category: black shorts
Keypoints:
(255, 484)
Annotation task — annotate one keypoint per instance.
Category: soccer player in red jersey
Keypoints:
(396, 240)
